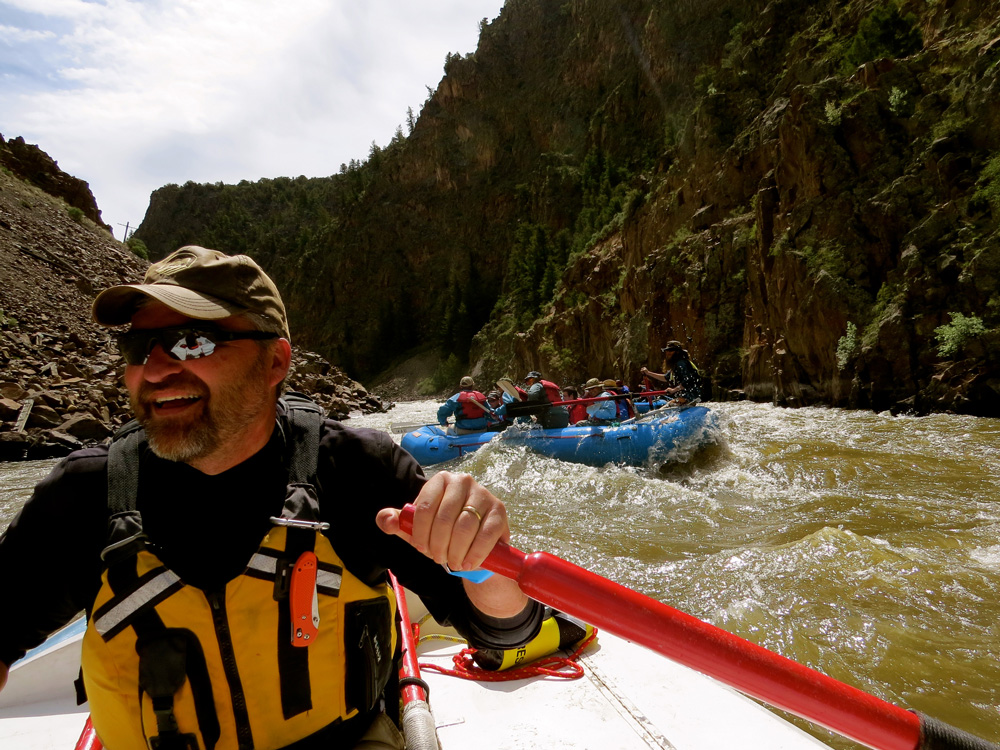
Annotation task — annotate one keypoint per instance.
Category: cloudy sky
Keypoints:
(130, 95)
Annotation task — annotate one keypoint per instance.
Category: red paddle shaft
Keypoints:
(88, 738)
(649, 387)
(591, 400)
(410, 668)
(739, 663)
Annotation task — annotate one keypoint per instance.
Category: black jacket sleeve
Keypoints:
(50, 562)
(363, 471)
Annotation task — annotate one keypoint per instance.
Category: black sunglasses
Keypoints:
(180, 343)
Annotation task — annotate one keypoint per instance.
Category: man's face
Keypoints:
(193, 408)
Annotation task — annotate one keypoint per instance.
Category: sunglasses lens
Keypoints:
(179, 344)
(190, 345)
(134, 346)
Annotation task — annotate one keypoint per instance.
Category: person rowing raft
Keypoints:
(231, 548)
(677, 366)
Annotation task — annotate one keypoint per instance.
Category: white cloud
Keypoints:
(146, 93)
(13, 35)
(52, 8)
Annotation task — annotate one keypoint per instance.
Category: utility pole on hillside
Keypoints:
(126, 235)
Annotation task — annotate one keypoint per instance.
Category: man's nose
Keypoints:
(159, 365)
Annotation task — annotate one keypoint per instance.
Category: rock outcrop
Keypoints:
(29, 163)
(60, 374)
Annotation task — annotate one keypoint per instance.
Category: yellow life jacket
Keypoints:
(167, 665)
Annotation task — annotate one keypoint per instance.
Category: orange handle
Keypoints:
(302, 600)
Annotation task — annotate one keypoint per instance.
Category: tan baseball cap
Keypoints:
(202, 284)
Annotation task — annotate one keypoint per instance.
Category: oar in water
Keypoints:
(751, 669)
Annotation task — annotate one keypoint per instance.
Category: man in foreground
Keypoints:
(231, 555)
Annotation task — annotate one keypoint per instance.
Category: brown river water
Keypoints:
(862, 545)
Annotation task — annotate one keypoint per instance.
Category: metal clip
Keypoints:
(295, 523)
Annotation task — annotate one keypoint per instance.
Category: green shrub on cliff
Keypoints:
(885, 32)
(988, 187)
(559, 360)
(138, 247)
(526, 277)
(833, 113)
(847, 346)
(445, 377)
(899, 102)
(953, 336)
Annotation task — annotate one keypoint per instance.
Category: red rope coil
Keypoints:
(560, 667)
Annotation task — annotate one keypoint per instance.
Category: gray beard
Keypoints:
(235, 409)
(194, 443)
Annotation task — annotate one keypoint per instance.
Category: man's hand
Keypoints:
(446, 529)
(456, 521)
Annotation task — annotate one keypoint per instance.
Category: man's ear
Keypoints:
(281, 360)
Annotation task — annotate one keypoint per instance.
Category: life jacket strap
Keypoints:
(300, 517)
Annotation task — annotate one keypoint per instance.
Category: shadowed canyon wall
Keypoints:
(803, 192)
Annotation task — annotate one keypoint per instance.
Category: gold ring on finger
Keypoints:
(475, 512)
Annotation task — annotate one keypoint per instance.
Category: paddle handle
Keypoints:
(751, 669)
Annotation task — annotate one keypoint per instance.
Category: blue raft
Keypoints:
(430, 444)
(666, 435)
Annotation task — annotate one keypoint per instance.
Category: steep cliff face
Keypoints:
(803, 192)
(412, 245)
(29, 163)
(817, 230)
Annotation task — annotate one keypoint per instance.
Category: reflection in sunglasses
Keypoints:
(180, 343)
(192, 346)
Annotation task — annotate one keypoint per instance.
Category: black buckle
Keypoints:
(173, 741)
(282, 578)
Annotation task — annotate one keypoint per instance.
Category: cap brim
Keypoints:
(115, 306)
